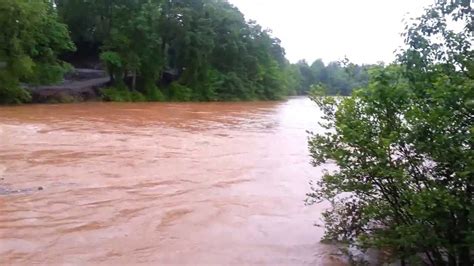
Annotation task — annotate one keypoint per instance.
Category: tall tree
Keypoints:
(30, 41)
(404, 148)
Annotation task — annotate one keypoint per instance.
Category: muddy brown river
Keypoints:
(164, 183)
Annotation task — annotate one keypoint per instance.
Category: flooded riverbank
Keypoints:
(166, 183)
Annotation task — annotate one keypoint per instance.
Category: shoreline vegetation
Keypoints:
(152, 51)
(404, 149)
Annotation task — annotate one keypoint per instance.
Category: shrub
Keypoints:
(121, 93)
(180, 93)
(136, 96)
(153, 93)
(13, 95)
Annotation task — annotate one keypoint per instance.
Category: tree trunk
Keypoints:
(452, 260)
(438, 257)
(464, 252)
(403, 262)
(465, 256)
(134, 80)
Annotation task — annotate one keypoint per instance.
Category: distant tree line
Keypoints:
(337, 78)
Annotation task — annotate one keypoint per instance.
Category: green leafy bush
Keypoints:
(116, 94)
(153, 93)
(180, 93)
(404, 149)
(122, 94)
(13, 94)
(113, 62)
(136, 96)
(30, 41)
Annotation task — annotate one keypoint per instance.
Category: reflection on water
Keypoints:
(198, 183)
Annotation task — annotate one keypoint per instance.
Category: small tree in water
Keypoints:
(404, 148)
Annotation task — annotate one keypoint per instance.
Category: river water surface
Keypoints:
(174, 183)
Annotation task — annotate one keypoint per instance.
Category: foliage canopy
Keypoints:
(206, 47)
(30, 41)
(404, 148)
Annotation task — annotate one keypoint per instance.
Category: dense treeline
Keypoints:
(205, 47)
(337, 78)
(179, 50)
(200, 50)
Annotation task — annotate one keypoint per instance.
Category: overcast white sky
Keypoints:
(366, 31)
